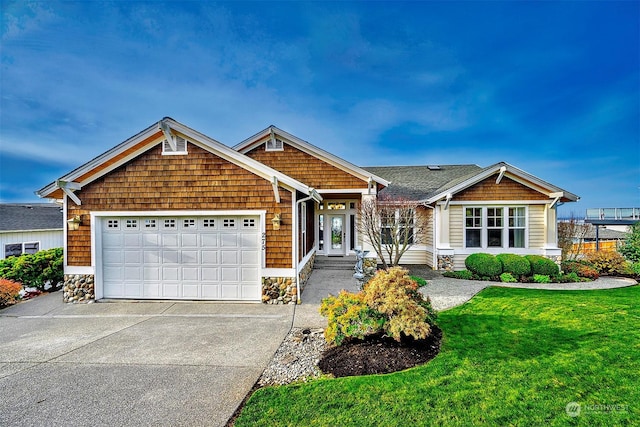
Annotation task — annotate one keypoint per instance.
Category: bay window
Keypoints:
(495, 227)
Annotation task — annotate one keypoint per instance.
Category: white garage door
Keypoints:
(194, 258)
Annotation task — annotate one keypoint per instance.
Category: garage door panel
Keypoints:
(229, 240)
(229, 257)
(182, 258)
(190, 290)
(132, 240)
(209, 240)
(228, 274)
(189, 257)
(189, 240)
(209, 257)
(190, 273)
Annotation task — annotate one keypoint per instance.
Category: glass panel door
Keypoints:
(337, 234)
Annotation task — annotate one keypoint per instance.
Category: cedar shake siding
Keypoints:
(305, 168)
(197, 181)
(508, 189)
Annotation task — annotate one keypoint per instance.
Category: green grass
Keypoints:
(509, 357)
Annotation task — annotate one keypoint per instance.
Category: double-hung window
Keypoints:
(495, 227)
(397, 224)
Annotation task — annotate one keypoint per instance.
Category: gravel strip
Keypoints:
(296, 359)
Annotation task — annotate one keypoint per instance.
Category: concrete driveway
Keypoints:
(132, 363)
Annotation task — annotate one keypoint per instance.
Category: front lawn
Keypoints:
(509, 357)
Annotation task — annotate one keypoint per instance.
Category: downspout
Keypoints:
(296, 244)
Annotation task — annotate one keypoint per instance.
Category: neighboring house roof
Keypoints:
(302, 145)
(429, 184)
(30, 217)
(153, 136)
(605, 234)
(420, 182)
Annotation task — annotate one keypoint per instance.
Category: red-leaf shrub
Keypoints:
(9, 292)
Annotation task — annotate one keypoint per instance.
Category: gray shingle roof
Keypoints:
(421, 182)
(30, 216)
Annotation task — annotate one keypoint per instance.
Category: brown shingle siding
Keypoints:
(306, 168)
(508, 189)
(153, 182)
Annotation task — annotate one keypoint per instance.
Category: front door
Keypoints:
(337, 238)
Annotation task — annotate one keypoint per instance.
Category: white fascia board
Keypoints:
(37, 230)
(305, 146)
(236, 157)
(106, 156)
(494, 202)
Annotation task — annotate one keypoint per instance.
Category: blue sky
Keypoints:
(551, 87)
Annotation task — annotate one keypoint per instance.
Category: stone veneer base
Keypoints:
(78, 288)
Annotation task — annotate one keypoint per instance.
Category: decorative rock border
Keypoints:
(78, 288)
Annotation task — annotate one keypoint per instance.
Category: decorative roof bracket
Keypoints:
(503, 169)
(167, 134)
(68, 188)
(276, 192)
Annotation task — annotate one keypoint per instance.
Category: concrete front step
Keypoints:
(334, 263)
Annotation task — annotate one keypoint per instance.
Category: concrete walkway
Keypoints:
(444, 292)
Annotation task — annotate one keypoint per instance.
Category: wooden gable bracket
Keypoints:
(276, 192)
(557, 196)
(68, 188)
(503, 169)
(447, 200)
(167, 134)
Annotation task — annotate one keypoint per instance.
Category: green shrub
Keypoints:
(460, 274)
(542, 265)
(349, 316)
(581, 269)
(507, 278)
(35, 270)
(483, 264)
(9, 292)
(515, 264)
(541, 278)
(419, 280)
(407, 313)
(569, 278)
(631, 247)
(388, 304)
(608, 262)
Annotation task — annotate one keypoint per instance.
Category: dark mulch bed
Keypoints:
(378, 355)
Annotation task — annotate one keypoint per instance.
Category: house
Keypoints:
(171, 213)
(29, 228)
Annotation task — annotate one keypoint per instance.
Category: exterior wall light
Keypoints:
(276, 220)
(74, 223)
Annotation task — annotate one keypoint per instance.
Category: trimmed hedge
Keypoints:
(515, 264)
(485, 265)
(542, 266)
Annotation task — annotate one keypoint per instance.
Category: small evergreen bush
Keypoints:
(507, 278)
(460, 274)
(515, 264)
(569, 278)
(388, 304)
(543, 266)
(541, 278)
(35, 270)
(483, 264)
(419, 280)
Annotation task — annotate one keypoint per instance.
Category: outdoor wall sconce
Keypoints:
(276, 220)
(74, 223)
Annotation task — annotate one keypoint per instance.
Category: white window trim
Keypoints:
(505, 229)
(22, 245)
(397, 220)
